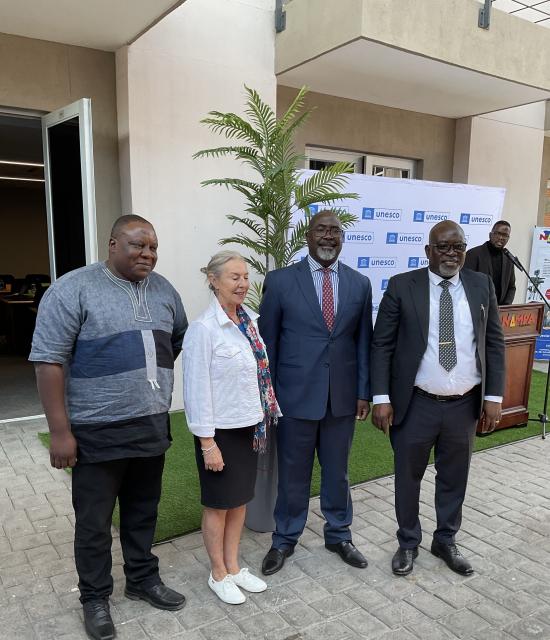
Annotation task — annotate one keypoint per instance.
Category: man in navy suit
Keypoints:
(316, 320)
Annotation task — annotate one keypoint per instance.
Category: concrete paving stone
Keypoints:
(307, 589)
(489, 588)
(397, 634)
(27, 588)
(463, 623)
(65, 582)
(41, 554)
(334, 605)
(55, 523)
(495, 614)
(222, 629)
(196, 616)
(56, 626)
(276, 597)
(539, 590)
(469, 544)
(20, 492)
(65, 550)
(331, 630)
(529, 629)
(429, 604)
(42, 605)
(299, 615)
(249, 608)
(427, 629)
(40, 513)
(12, 559)
(130, 631)
(374, 535)
(459, 595)
(515, 580)
(340, 582)
(523, 604)
(492, 634)
(61, 536)
(71, 601)
(17, 631)
(160, 625)
(367, 598)
(397, 588)
(13, 576)
(55, 567)
(364, 624)
(543, 614)
(263, 623)
(372, 575)
(321, 564)
(33, 500)
(17, 525)
(397, 614)
(5, 546)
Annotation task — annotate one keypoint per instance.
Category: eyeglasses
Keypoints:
(320, 230)
(446, 247)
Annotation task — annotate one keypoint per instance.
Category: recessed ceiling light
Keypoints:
(22, 164)
(22, 179)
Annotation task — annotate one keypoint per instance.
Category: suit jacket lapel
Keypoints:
(420, 292)
(476, 308)
(343, 294)
(305, 281)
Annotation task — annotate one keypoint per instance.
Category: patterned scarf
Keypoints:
(267, 395)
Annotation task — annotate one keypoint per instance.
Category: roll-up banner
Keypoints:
(395, 217)
(539, 270)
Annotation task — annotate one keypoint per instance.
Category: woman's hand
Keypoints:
(213, 459)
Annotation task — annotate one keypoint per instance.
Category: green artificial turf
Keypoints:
(371, 457)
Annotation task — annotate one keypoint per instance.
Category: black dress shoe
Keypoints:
(349, 554)
(452, 557)
(97, 620)
(403, 561)
(158, 595)
(275, 559)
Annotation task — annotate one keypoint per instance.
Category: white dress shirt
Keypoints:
(220, 374)
(431, 376)
(317, 273)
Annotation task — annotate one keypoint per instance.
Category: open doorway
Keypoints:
(47, 226)
(24, 259)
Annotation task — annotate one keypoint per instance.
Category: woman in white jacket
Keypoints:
(229, 405)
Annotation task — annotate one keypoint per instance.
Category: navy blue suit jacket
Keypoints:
(307, 361)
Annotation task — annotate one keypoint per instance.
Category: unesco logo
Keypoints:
(384, 284)
(404, 238)
(378, 262)
(359, 237)
(417, 262)
(470, 218)
(430, 216)
(381, 214)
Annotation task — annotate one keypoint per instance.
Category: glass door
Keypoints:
(70, 188)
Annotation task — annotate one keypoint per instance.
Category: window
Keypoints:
(383, 166)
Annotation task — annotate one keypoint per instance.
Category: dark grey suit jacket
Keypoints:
(479, 259)
(401, 336)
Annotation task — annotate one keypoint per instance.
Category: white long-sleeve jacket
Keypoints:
(220, 379)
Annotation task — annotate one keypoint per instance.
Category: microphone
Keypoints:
(513, 259)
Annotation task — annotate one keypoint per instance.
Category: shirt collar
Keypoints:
(435, 279)
(315, 266)
(223, 318)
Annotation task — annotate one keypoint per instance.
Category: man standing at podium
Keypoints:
(489, 258)
(437, 365)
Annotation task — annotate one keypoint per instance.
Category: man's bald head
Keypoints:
(124, 221)
(446, 248)
(443, 226)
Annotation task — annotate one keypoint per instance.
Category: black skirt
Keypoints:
(234, 485)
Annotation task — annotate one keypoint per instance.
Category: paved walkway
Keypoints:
(506, 534)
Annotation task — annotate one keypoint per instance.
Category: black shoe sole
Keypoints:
(270, 572)
(157, 605)
(460, 573)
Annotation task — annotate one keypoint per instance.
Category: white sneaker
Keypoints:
(226, 590)
(247, 581)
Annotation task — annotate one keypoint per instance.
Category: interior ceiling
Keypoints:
(20, 141)
(98, 24)
(372, 72)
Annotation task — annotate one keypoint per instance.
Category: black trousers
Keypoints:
(450, 428)
(137, 483)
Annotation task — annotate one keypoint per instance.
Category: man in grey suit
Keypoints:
(316, 321)
(437, 364)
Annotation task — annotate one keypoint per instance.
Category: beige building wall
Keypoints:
(44, 76)
(369, 128)
(196, 60)
(505, 150)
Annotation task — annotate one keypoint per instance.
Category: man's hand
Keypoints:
(382, 416)
(363, 409)
(62, 449)
(490, 416)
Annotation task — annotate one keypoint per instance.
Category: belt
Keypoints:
(434, 396)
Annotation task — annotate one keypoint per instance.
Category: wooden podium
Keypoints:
(522, 324)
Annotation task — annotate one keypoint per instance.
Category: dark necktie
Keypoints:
(328, 300)
(447, 345)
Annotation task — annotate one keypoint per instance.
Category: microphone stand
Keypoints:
(543, 417)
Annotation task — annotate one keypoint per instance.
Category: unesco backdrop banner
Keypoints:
(395, 217)
(539, 270)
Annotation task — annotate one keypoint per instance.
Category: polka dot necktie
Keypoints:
(328, 300)
(447, 345)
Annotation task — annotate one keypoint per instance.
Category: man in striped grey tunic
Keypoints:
(104, 347)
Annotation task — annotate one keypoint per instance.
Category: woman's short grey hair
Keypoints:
(217, 263)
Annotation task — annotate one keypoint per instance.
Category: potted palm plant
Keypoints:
(271, 232)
